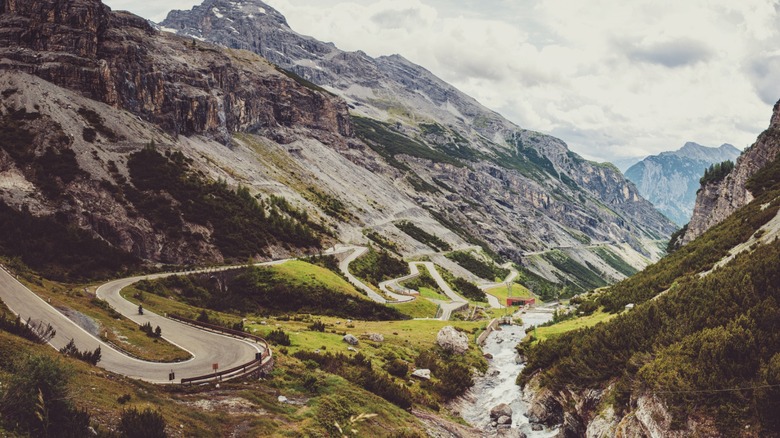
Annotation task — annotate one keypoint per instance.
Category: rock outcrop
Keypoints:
(350, 339)
(452, 340)
(719, 199)
(182, 85)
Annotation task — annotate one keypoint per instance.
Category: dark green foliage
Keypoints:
(477, 266)
(329, 204)
(453, 373)
(124, 398)
(330, 410)
(97, 122)
(692, 258)
(381, 240)
(328, 262)
(301, 81)
(377, 266)
(543, 288)
(357, 369)
(469, 290)
(58, 251)
(89, 134)
(674, 242)
(35, 331)
(388, 143)
(36, 400)
(694, 347)
(423, 236)
(716, 172)
(243, 227)
(615, 261)
(398, 368)
(151, 332)
(142, 424)
(317, 326)
(278, 337)
(90, 357)
(260, 290)
(585, 277)
(422, 280)
(765, 179)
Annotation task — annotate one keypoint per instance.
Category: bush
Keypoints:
(37, 402)
(398, 368)
(151, 332)
(90, 357)
(142, 424)
(278, 337)
(35, 331)
(317, 326)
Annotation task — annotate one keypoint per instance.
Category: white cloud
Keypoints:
(611, 77)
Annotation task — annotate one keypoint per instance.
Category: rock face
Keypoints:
(375, 337)
(186, 87)
(452, 340)
(719, 199)
(670, 180)
(520, 191)
(350, 339)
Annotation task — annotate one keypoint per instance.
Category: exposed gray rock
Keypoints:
(504, 420)
(422, 373)
(375, 337)
(452, 340)
(350, 339)
(502, 410)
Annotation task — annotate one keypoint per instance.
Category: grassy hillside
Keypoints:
(291, 287)
(706, 345)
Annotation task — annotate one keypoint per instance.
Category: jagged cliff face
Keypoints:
(119, 59)
(670, 180)
(719, 199)
(520, 191)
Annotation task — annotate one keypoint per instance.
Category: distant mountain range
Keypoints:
(670, 179)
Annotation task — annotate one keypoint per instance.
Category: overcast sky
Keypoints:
(613, 78)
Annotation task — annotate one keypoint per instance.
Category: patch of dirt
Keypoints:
(227, 404)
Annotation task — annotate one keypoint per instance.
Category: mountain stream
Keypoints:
(498, 386)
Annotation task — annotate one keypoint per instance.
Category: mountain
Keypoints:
(670, 180)
(719, 197)
(693, 347)
(625, 163)
(482, 178)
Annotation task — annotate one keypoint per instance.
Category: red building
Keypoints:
(517, 301)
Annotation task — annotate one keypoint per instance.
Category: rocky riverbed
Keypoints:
(497, 387)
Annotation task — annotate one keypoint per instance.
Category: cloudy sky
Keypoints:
(613, 78)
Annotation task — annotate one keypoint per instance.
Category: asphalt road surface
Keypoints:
(206, 348)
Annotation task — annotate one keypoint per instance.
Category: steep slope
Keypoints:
(719, 198)
(670, 180)
(697, 356)
(477, 173)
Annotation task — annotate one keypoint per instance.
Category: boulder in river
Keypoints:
(504, 420)
(452, 340)
(502, 410)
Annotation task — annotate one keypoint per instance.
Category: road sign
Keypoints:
(215, 366)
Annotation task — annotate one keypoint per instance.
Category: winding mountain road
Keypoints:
(207, 348)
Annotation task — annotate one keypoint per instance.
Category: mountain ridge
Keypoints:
(670, 179)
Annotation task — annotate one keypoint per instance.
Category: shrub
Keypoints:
(398, 368)
(142, 424)
(317, 326)
(278, 337)
(37, 402)
(90, 357)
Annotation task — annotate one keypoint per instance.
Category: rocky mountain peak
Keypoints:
(718, 199)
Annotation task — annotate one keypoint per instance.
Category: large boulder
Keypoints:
(452, 340)
(350, 339)
(375, 337)
(422, 373)
(502, 410)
